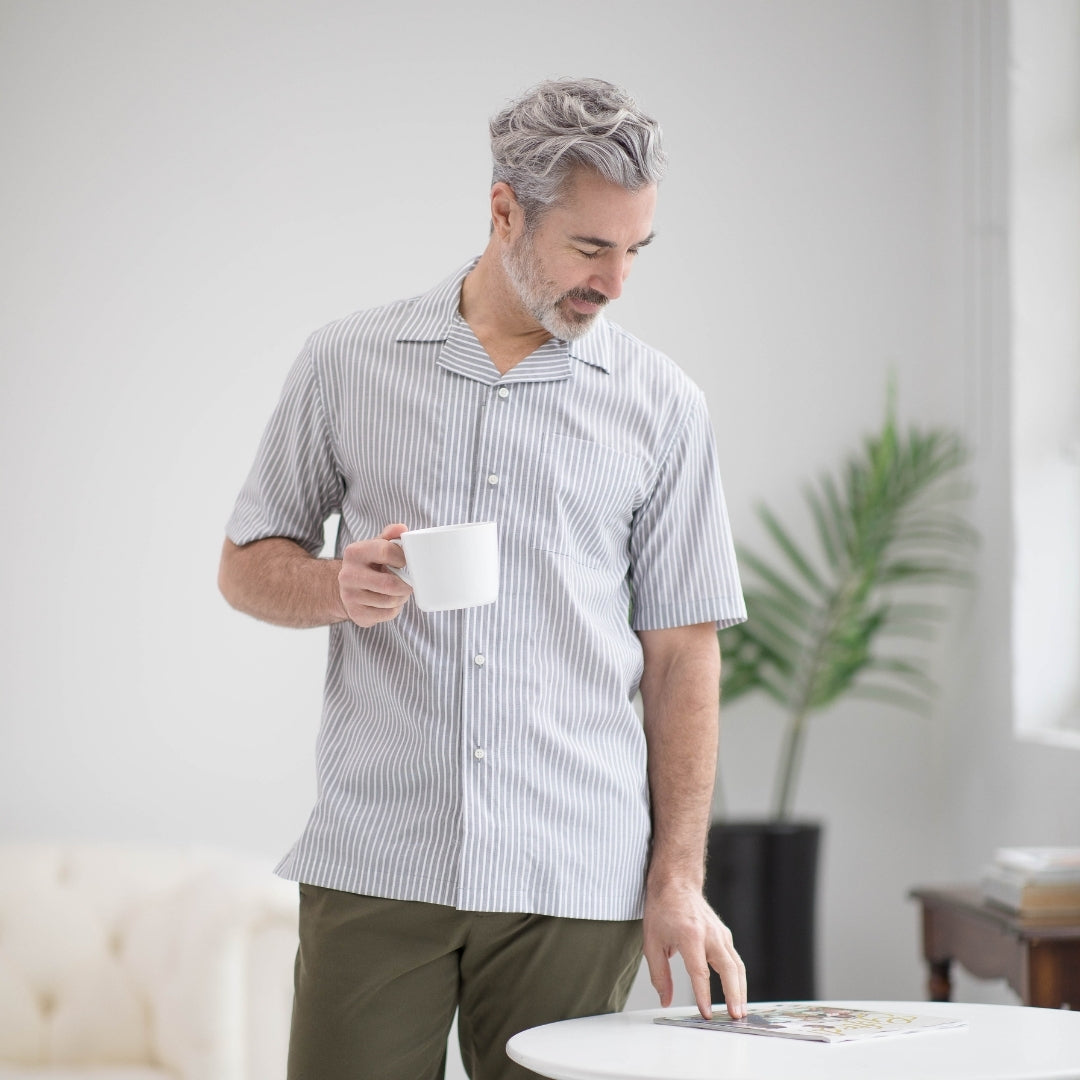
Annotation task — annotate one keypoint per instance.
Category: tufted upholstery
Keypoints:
(121, 963)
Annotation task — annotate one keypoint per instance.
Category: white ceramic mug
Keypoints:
(451, 566)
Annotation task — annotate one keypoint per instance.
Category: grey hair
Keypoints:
(561, 125)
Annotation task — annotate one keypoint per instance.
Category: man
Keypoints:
(493, 821)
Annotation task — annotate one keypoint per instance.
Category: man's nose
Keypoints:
(609, 279)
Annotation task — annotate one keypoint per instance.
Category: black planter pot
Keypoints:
(761, 878)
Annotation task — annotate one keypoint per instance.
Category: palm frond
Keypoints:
(911, 671)
(788, 546)
(889, 521)
(832, 542)
(890, 695)
(776, 581)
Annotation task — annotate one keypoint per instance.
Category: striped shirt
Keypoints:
(491, 759)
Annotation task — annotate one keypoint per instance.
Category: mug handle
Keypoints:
(401, 571)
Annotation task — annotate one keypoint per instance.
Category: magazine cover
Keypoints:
(818, 1023)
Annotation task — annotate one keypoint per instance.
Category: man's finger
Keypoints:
(367, 584)
(361, 570)
(367, 598)
(660, 976)
(375, 553)
(394, 554)
(729, 966)
(699, 981)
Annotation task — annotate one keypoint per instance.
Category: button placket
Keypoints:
(475, 722)
(479, 660)
(501, 393)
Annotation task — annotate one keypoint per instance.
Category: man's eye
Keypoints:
(589, 254)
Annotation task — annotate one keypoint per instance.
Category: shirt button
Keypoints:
(478, 660)
(493, 479)
(478, 754)
(503, 392)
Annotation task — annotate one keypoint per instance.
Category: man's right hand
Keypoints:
(370, 593)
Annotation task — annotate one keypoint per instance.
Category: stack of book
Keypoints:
(1035, 881)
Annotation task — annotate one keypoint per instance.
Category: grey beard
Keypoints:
(539, 297)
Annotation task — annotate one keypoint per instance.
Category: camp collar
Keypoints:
(435, 317)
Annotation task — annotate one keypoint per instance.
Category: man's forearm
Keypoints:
(277, 581)
(680, 696)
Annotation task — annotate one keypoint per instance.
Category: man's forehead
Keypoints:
(597, 211)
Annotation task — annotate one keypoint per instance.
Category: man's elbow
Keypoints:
(227, 582)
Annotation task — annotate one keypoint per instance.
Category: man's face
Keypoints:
(576, 258)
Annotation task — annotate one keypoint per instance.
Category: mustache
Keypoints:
(589, 296)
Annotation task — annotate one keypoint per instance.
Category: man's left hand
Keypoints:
(679, 920)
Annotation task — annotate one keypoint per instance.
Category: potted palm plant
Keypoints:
(825, 614)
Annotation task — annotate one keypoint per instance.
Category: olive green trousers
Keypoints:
(378, 981)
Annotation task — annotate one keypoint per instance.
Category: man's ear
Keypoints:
(506, 212)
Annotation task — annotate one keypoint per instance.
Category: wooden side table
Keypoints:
(1038, 957)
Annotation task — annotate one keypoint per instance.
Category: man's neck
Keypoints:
(493, 311)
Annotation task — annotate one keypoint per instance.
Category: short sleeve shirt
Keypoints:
(491, 758)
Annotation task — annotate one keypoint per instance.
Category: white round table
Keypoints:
(1000, 1042)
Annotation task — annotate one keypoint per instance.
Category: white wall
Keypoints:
(191, 188)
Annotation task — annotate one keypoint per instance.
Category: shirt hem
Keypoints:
(725, 611)
(600, 908)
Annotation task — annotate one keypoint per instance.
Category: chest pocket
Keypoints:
(587, 498)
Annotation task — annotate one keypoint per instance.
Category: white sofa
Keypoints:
(121, 963)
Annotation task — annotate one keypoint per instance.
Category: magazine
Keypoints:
(818, 1023)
